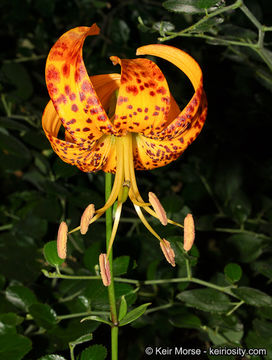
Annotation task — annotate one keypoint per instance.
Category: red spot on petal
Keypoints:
(52, 73)
(86, 129)
(74, 108)
(66, 70)
(132, 89)
(152, 93)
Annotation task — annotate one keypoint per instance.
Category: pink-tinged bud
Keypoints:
(62, 240)
(104, 269)
(168, 252)
(189, 232)
(157, 206)
(86, 218)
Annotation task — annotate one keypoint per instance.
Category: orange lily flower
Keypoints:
(143, 128)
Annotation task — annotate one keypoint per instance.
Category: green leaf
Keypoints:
(43, 315)
(52, 357)
(134, 314)
(263, 267)
(22, 265)
(122, 264)
(11, 319)
(249, 246)
(12, 146)
(14, 347)
(18, 76)
(184, 6)
(96, 318)
(21, 296)
(51, 254)
(91, 256)
(122, 308)
(252, 296)
(233, 272)
(82, 339)
(215, 337)
(163, 27)
(187, 321)
(94, 352)
(206, 4)
(206, 300)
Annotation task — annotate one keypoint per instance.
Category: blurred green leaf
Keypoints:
(122, 308)
(122, 264)
(14, 347)
(184, 6)
(94, 352)
(52, 357)
(249, 247)
(187, 321)
(263, 267)
(206, 299)
(43, 315)
(205, 4)
(51, 254)
(82, 339)
(20, 296)
(18, 76)
(252, 296)
(134, 314)
(233, 272)
(18, 258)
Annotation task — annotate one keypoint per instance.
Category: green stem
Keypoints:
(242, 231)
(235, 307)
(111, 293)
(234, 6)
(188, 269)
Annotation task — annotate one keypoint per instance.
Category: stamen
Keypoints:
(168, 252)
(189, 232)
(157, 206)
(105, 269)
(144, 221)
(115, 227)
(62, 240)
(86, 218)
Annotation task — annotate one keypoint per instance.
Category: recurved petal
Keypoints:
(105, 85)
(92, 156)
(71, 90)
(152, 153)
(191, 68)
(144, 100)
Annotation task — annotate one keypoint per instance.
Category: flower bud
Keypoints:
(168, 252)
(158, 208)
(104, 269)
(189, 232)
(62, 240)
(86, 218)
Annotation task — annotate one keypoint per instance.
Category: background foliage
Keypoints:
(224, 179)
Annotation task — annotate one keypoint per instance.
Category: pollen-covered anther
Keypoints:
(62, 240)
(104, 269)
(158, 208)
(86, 218)
(189, 232)
(168, 252)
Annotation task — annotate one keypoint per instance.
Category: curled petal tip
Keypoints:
(168, 252)
(158, 208)
(115, 60)
(104, 269)
(189, 232)
(86, 218)
(62, 240)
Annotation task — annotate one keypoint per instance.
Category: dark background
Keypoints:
(223, 178)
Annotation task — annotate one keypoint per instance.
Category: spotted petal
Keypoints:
(71, 90)
(191, 68)
(153, 153)
(98, 155)
(143, 103)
